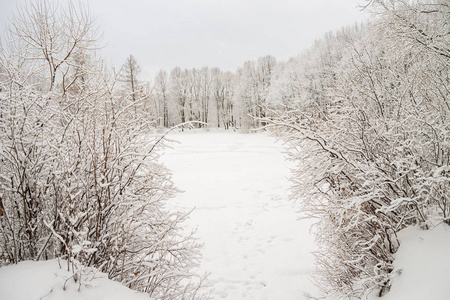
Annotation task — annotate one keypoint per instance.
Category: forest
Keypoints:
(364, 112)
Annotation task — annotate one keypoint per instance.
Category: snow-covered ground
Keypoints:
(45, 280)
(255, 248)
(422, 265)
(254, 245)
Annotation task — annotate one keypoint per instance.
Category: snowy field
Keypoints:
(254, 246)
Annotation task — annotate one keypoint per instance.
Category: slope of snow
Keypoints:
(422, 265)
(254, 246)
(45, 280)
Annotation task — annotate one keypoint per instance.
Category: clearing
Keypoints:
(254, 245)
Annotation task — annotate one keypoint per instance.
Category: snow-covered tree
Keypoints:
(179, 89)
(130, 71)
(373, 153)
(161, 96)
(222, 89)
(79, 173)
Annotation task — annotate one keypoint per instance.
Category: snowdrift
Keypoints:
(31, 280)
(422, 265)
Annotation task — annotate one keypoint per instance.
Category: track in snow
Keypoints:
(255, 248)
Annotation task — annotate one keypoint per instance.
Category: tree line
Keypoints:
(208, 96)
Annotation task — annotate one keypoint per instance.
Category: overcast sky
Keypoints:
(162, 34)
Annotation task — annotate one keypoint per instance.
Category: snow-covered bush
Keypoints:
(79, 171)
(376, 157)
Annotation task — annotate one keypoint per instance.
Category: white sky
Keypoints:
(162, 34)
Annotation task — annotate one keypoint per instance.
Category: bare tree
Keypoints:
(161, 90)
(57, 39)
(222, 90)
(131, 71)
(179, 89)
(205, 94)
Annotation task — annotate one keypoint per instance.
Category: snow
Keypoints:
(422, 265)
(254, 245)
(45, 280)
